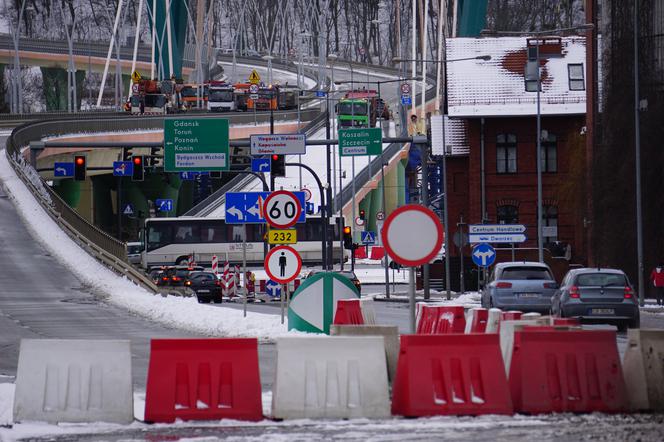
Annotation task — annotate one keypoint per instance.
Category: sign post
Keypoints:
(196, 144)
(412, 250)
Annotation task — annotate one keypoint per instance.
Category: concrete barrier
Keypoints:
(74, 381)
(330, 377)
(643, 367)
(507, 329)
(389, 332)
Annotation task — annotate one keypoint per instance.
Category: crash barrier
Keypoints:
(643, 366)
(203, 379)
(530, 315)
(360, 253)
(330, 377)
(368, 311)
(390, 333)
(377, 253)
(348, 312)
(511, 315)
(564, 321)
(476, 320)
(452, 374)
(493, 321)
(506, 334)
(432, 319)
(74, 381)
(558, 370)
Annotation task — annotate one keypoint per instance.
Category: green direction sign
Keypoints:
(196, 144)
(354, 142)
(314, 303)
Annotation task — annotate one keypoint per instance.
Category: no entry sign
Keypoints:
(412, 235)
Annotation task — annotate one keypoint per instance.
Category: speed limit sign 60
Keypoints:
(282, 209)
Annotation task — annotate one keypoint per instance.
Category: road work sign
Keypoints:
(254, 78)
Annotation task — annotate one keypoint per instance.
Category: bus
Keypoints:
(170, 241)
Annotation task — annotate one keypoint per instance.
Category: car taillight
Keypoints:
(574, 292)
(175, 278)
(187, 283)
(504, 285)
(165, 278)
(629, 293)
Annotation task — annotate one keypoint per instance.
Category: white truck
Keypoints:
(221, 97)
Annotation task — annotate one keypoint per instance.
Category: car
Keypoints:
(597, 295)
(346, 273)
(175, 276)
(134, 250)
(525, 286)
(205, 285)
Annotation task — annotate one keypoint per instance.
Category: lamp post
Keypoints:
(16, 83)
(637, 146)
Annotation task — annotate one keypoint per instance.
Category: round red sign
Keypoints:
(412, 235)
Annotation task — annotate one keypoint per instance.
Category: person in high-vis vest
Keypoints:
(657, 278)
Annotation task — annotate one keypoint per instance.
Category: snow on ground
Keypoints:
(184, 313)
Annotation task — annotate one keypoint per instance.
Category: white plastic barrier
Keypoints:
(330, 377)
(493, 323)
(507, 329)
(643, 368)
(531, 315)
(74, 381)
(389, 332)
(368, 311)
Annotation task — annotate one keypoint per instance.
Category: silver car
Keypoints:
(525, 286)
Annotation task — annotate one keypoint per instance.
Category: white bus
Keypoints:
(170, 241)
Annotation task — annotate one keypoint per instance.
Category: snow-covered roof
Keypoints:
(456, 137)
(496, 87)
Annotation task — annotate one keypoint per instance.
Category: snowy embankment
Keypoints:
(183, 313)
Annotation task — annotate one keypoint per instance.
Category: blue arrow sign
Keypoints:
(164, 205)
(273, 289)
(123, 168)
(406, 100)
(320, 94)
(368, 237)
(497, 238)
(190, 176)
(483, 255)
(63, 169)
(261, 165)
(128, 209)
(244, 207)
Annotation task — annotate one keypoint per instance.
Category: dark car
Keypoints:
(597, 295)
(175, 276)
(525, 286)
(347, 273)
(205, 285)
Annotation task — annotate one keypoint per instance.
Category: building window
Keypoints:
(507, 215)
(506, 153)
(575, 73)
(549, 147)
(550, 224)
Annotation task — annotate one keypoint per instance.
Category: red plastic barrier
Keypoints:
(478, 320)
(566, 371)
(565, 321)
(203, 379)
(349, 312)
(440, 319)
(361, 253)
(512, 315)
(453, 374)
(377, 252)
(296, 283)
(261, 285)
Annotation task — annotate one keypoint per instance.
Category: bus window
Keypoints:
(212, 233)
(159, 235)
(187, 234)
(237, 233)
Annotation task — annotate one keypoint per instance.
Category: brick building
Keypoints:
(492, 169)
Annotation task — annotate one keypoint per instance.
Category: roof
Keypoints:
(478, 88)
(522, 264)
(456, 137)
(597, 270)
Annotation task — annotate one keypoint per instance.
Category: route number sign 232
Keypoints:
(282, 236)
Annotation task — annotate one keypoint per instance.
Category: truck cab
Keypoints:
(221, 97)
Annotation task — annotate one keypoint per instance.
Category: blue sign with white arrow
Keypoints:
(483, 255)
(164, 205)
(261, 165)
(368, 237)
(406, 100)
(273, 289)
(320, 94)
(190, 176)
(123, 168)
(63, 169)
(245, 207)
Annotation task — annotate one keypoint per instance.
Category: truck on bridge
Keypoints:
(361, 108)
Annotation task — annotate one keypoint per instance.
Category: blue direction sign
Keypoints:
(368, 237)
(164, 205)
(128, 209)
(483, 255)
(406, 100)
(123, 168)
(260, 165)
(320, 94)
(245, 207)
(273, 289)
(507, 238)
(63, 169)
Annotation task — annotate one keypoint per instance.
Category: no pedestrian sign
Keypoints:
(358, 142)
(283, 264)
(196, 144)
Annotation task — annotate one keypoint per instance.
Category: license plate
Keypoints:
(528, 295)
(602, 311)
(203, 291)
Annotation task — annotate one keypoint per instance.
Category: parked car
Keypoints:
(155, 274)
(346, 273)
(175, 276)
(525, 286)
(597, 295)
(134, 250)
(205, 285)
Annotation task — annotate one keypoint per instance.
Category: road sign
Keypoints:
(123, 168)
(307, 193)
(273, 289)
(496, 228)
(282, 209)
(460, 239)
(282, 236)
(320, 94)
(128, 209)
(260, 165)
(245, 207)
(368, 237)
(254, 78)
(280, 144)
(135, 77)
(359, 221)
(406, 100)
(497, 238)
(283, 264)
(405, 89)
(135, 88)
(380, 216)
(63, 169)
(354, 142)
(196, 144)
(164, 205)
(402, 244)
(253, 88)
(483, 255)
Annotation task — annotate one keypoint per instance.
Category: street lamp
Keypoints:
(16, 84)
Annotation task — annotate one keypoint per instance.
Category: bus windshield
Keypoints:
(352, 108)
(188, 92)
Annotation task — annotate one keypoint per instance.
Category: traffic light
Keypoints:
(139, 168)
(363, 214)
(278, 165)
(348, 238)
(80, 167)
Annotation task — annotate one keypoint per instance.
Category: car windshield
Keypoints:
(601, 279)
(134, 249)
(221, 95)
(201, 277)
(188, 92)
(526, 273)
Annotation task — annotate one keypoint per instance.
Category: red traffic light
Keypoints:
(138, 160)
(275, 157)
(80, 161)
